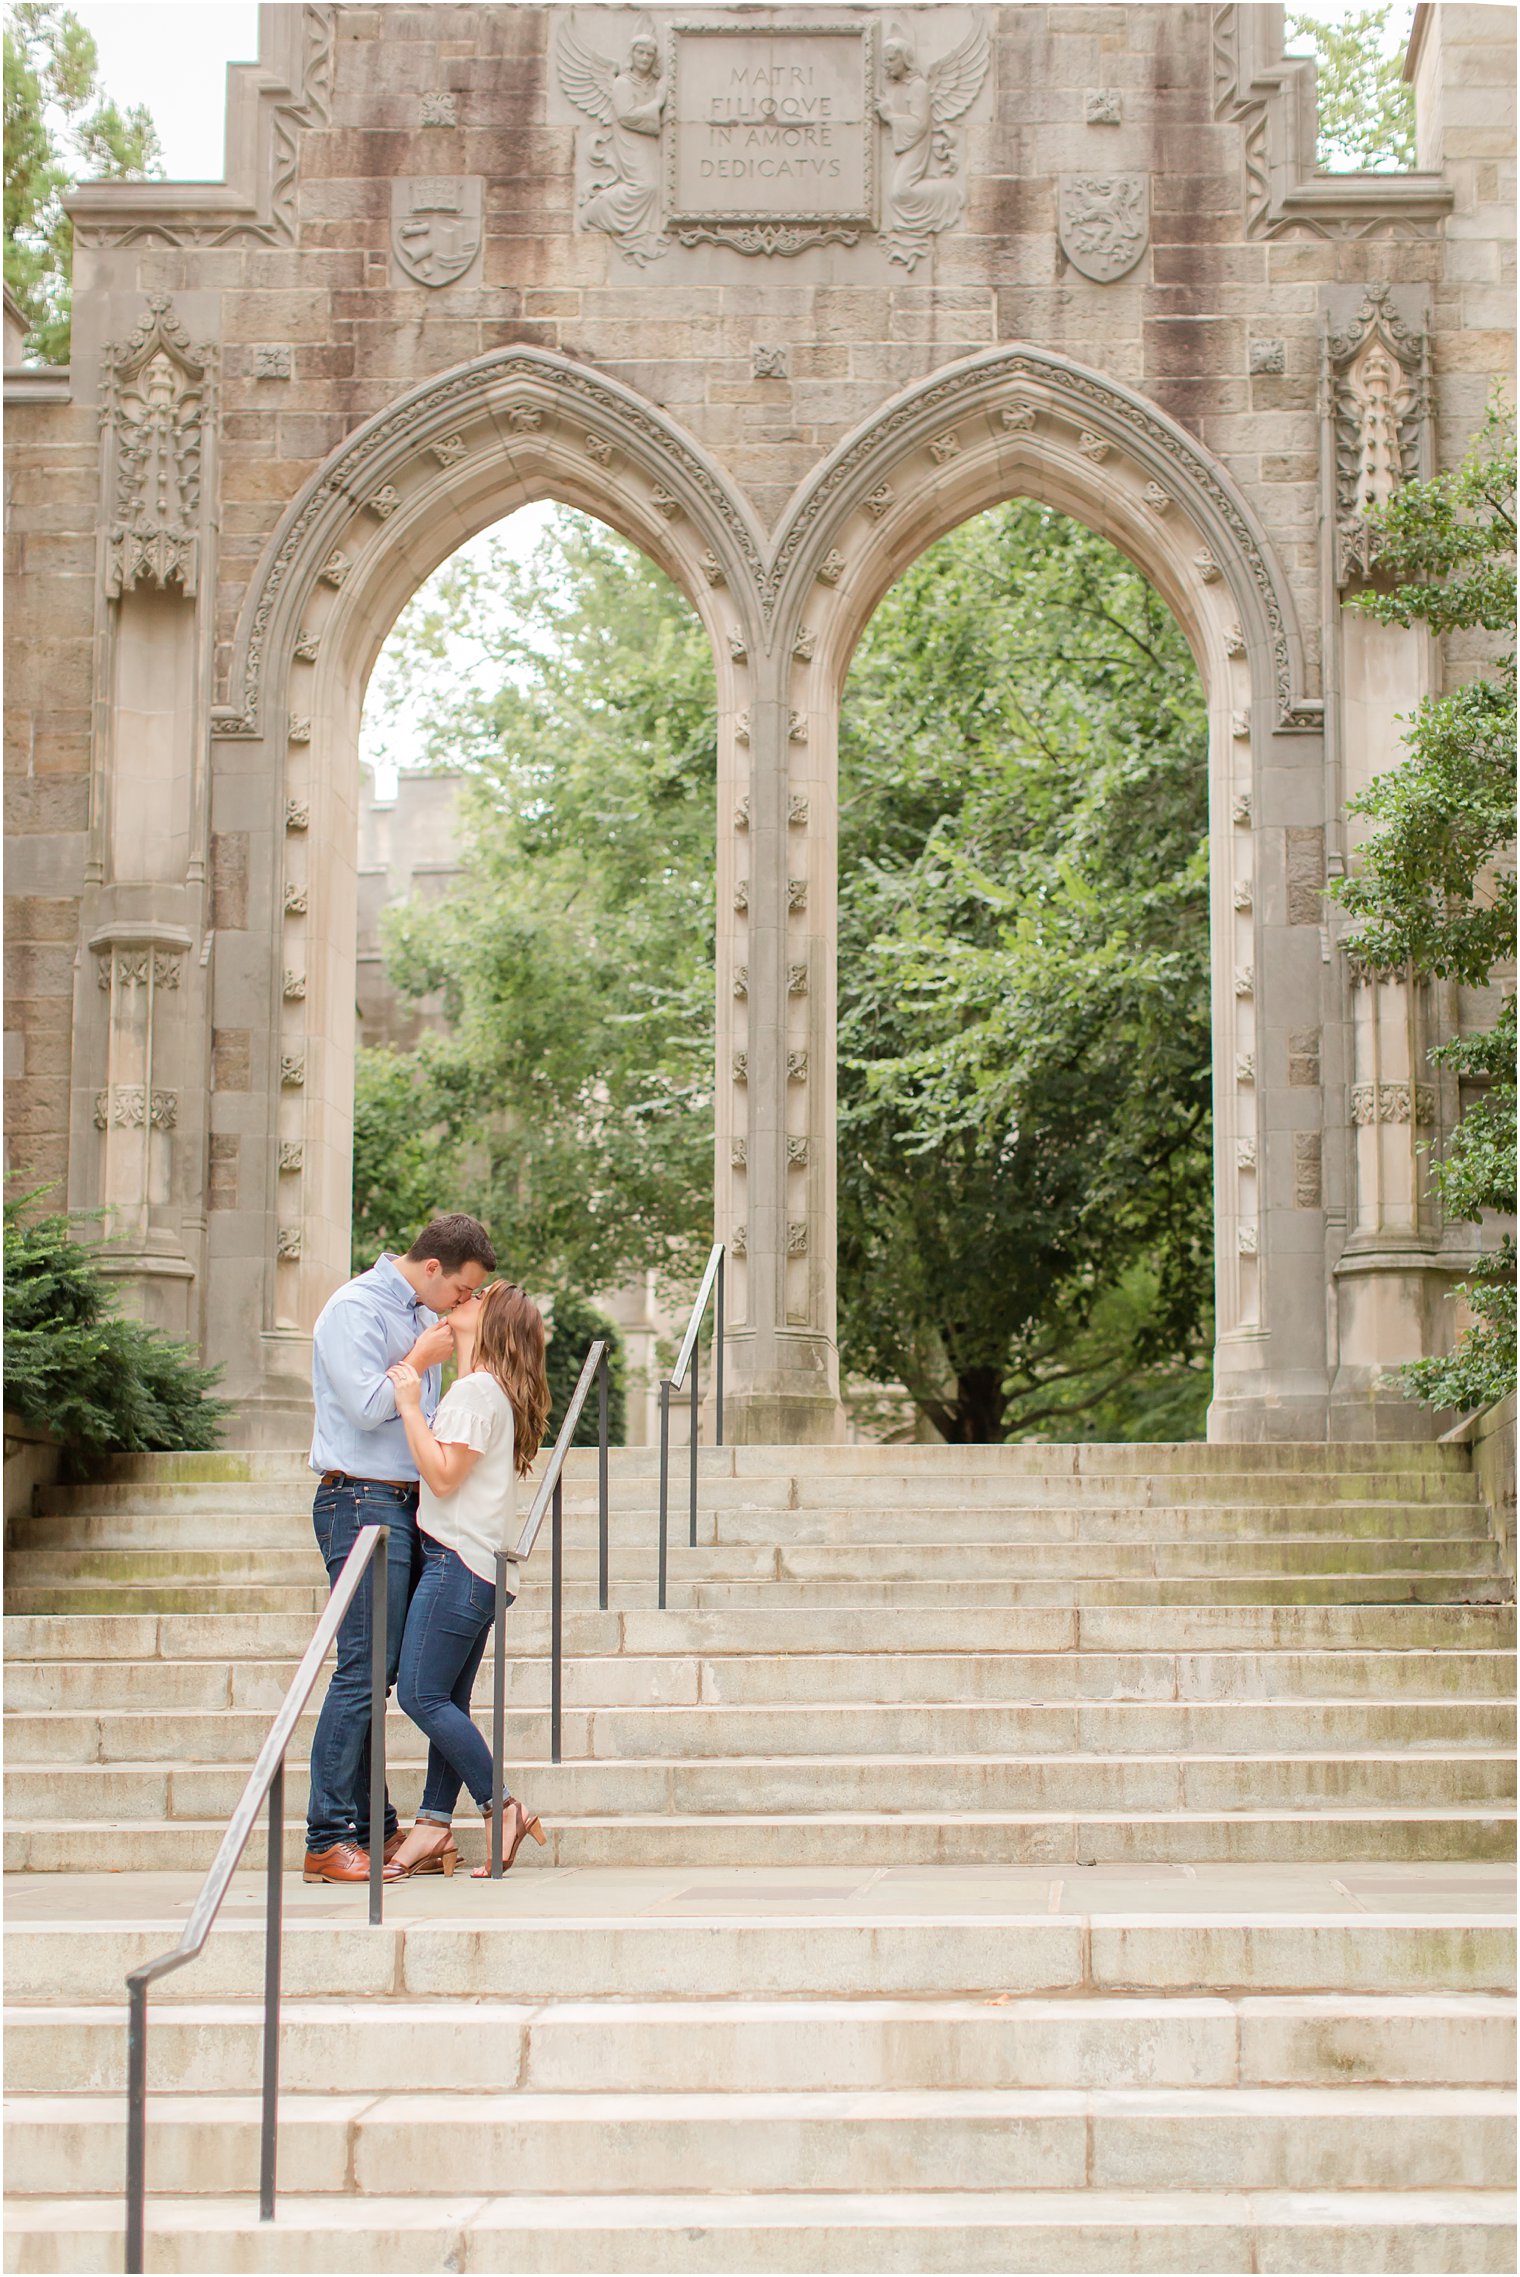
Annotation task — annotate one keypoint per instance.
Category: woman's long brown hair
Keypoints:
(509, 1341)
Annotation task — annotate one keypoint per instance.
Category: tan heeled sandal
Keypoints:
(443, 1860)
(512, 1833)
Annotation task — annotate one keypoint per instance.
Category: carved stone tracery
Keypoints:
(1377, 389)
(157, 404)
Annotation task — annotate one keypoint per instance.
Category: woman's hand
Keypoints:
(408, 1386)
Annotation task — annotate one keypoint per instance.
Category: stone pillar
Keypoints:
(776, 1003)
(138, 1141)
(1392, 1277)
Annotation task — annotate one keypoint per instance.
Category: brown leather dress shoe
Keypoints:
(344, 1862)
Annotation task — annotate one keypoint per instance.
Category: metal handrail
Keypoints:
(712, 1281)
(550, 1496)
(266, 1778)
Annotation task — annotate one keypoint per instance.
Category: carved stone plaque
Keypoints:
(772, 138)
(436, 226)
(1104, 223)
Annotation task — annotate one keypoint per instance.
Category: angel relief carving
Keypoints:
(770, 139)
(923, 195)
(629, 106)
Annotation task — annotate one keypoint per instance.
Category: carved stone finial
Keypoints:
(156, 393)
(1375, 370)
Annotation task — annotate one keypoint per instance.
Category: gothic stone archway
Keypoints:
(431, 289)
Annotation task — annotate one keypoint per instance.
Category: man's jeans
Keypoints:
(446, 1632)
(338, 1810)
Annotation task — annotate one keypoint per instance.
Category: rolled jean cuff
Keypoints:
(435, 1818)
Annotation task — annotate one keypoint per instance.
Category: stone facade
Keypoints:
(468, 256)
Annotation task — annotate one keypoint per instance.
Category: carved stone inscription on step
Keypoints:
(772, 143)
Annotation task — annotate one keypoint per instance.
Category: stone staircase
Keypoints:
(993, 1859)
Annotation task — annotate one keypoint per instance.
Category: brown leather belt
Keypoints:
(346, 1478)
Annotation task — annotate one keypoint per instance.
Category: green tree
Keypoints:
(1434, 893)
(1025, 1149)
(568, 1097)
(1024, 1156)
(1366, 112)
(60, 128)
(74, 1366)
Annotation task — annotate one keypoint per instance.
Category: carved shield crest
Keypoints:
(436, 226)
(1104, 223)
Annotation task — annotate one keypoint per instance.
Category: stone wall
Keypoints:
(1127, 193)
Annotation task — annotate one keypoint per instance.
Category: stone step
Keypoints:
(809, 1785)
(1480, 1830)
(1392, 1588)
(942, 1489)
(1036, 2233)
(144, 1734)
(1443, 1540)
(811, 2046)
(876, 1563)
(982, 1946)
(1373, 2138)
(647, 1633)
(905, 1598)
(1068, 1459)
(868, 1683)
(289, 1526)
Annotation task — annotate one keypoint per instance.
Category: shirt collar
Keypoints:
(390, 1273)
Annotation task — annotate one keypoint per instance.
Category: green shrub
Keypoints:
(101, 1383)
(577, 1325)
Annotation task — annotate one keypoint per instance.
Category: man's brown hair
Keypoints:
(454, 1241)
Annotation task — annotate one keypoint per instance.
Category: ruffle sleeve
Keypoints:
(464, 1419)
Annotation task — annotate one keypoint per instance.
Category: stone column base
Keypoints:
(781, 1419)
(1394, 1306)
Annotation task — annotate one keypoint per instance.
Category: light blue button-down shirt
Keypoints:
(369, 1325)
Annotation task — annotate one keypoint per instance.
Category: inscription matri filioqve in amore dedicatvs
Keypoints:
(771, 139)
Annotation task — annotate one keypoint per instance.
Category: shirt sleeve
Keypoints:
(464, 1419)
(352, 1344)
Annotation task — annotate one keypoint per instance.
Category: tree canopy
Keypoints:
(60, 128)
(1024, 1154)
(1366, 111)
(1024, 1148)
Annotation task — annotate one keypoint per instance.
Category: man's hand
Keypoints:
(408, 1383)
(433, 1346)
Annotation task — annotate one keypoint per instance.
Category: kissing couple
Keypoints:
(441, 1473)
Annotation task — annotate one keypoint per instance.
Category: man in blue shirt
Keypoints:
(366, 1477)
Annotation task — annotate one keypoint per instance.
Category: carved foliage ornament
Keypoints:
(156, 392)
(1377, 391)
(306, 546)
(1103, 222)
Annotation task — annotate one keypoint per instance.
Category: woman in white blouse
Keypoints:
(483, 1439)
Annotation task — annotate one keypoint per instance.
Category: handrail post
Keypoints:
(498, 1713)
(274, 1888)
(137, 2121)
(603, 1395)
(718, 1358)
(379, 1597)
(664, 1478)
(695, 1435)
(556, 1616)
